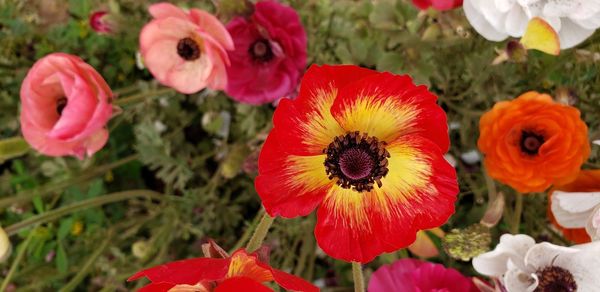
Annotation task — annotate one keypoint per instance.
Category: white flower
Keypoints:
(577, 210)
(495, 20)
(522, 265)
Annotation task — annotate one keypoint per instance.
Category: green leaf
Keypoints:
(64, 228)
(391, 62)
(96, 188)
(80, 8)
(38, 204)
(12, 147)
(62, 261)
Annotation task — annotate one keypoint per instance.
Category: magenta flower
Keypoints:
(410, 275)
(269, 56)
(65, 105)
(185, 50)
(438, 4)
(100, 23)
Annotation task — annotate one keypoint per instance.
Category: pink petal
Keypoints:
(164, 10)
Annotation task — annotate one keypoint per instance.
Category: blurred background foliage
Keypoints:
(198, 153)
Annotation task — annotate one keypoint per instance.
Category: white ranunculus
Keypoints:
(577, 210)
(523, 265)
(495, 20)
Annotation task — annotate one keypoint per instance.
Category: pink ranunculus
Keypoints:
(270, 54)
(65, 105)
(185, 50)
(437, 4)
(410, 275)
(100, 22)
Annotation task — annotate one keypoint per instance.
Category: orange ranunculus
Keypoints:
(587, 181)
(533, 142)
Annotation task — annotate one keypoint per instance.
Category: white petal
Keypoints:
(518, 281)
(512, 248)
(471, 156)
(479, 23)
(516, 21)
(593, 225)
(592, 22)
(572, 34)
(546, 254)
(561, 8)
(596, 142)
(584, 265)
(572, 210)
(504, 5)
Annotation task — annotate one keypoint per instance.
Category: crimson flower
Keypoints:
(365, 148)
(240, 272)
(440, 5)
(269, 56)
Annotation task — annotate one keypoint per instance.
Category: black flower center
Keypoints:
(531, 142)
(261, 51)
(555, 279)
(61, 103)
(188, 49)
(357, 161)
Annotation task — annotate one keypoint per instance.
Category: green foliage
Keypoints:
(196, 148)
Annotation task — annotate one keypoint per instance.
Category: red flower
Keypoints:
(438, 4)
(269, 56)
(366, 149)
(240, 272)
(99, 22)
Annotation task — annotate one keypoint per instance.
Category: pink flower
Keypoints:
(100, 23)
(437, 4)
(410, 275)
(270, 54)
(65, 105)
(185, 50)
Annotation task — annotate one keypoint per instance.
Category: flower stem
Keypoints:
(18, 259)
(95, 202)
(260, 233)
(516, 222)
(357, 276)
(142, 96)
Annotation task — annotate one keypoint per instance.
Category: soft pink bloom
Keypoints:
(410, 275)
(185, 50)
(270, 54)
(438, 4)
(100, 23)
(65, 105)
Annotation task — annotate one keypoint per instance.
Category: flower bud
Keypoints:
(464, 244)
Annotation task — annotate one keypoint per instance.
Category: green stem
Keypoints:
(95, 202)
(516, 222)
(260, 233)
(142, 96)
(48, 189)
(248, 231)
(18, 259)
(357, 276)
(80, 276)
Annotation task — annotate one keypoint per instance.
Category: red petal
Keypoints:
(238, 284)
(388, 106)
(292, 283)
(418, 193)
(247, 265)
(157, 287)
(189, 271)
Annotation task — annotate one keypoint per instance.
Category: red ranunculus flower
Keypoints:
(269, 55)
(240, 272)
(366, 149)
(438, 4)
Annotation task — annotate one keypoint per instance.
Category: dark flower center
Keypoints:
(261, 51)
(555, 279)
(188, 49)
(357, 161)
(61, 103)
(531, 142)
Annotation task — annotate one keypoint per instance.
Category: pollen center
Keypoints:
(531, 142)
(188, 49)
(555, 279)
(61, 103)
(356, 161)
(261, 51)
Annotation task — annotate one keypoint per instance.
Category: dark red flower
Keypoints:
(269, 55)
(219, 275)
(366, 149)
(100, 23)
(438, 4)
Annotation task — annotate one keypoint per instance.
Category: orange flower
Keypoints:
(532, 142)
(587, 181)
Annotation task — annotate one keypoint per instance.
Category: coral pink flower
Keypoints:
(100, 23)
(270, 54)
(438, 4)
(185, 50)
(65, 105)
(410, 275)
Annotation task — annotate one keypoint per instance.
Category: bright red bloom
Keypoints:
(269, 55)
(410, 275)
(241, 270)
(366, 148)
(440, 5)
